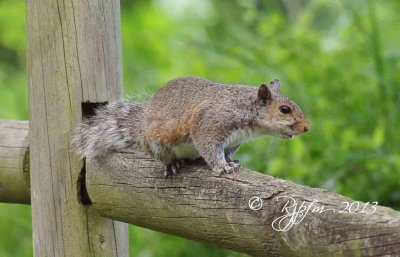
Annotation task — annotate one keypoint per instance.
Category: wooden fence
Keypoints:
(78, 209)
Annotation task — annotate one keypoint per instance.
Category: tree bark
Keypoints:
(73, 56)
(201, 205)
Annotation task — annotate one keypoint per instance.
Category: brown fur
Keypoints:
(191, 117)
(205, 113)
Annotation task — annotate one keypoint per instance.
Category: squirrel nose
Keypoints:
(306, 128)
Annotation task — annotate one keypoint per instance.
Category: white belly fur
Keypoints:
(241, 136)
(189, 151)
(186, 151)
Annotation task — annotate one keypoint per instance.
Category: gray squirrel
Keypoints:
(191, 117)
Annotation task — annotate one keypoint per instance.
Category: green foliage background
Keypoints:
(338, 59)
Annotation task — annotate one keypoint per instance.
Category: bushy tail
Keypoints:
(114, 127)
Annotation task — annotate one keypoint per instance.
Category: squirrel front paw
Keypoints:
(228, 168)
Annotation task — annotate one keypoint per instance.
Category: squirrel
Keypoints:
(191, 117)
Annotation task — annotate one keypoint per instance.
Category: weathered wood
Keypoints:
(14, 162)
(200, 205)
(74, 56)
(204, 206)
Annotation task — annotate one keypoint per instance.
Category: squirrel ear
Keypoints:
(275, 85)
(264, 94)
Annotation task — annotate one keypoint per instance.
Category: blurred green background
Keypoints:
(338, 59)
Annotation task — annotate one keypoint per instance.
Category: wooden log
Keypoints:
(73, 56)
(14, 162)
(201, 205)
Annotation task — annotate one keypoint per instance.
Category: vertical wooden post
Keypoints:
(74, 56)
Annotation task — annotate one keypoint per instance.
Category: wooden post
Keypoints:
(74, 56)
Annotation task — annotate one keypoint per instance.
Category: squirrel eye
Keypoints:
(285, 109)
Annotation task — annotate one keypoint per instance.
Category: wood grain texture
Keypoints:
(73, 56)
(201, 205)
(14, 162)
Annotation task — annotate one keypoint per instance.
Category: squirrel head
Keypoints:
(279, 115)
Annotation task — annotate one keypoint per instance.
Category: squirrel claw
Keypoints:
(236, 166)
(235, 162)
(179, 164)
(173, 168)
(230, 168)
(168, 171)
(229, 160)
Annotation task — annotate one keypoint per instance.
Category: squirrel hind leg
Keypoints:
(173, 168)
(165, 155)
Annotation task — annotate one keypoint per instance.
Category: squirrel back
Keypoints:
(177, 108)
